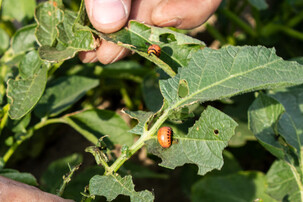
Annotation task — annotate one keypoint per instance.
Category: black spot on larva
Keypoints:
(216, 131)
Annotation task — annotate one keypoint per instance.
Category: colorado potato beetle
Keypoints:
(165, 136)
(154, 49)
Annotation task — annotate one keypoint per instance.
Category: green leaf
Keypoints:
(203, 145)
(242, 186)
(259, 4)
(24, 94)
(176, 48)
(95, 123)
(24, 39)
(279, 130)
(4, 38)
(26, 178)
(63, 92)
(142, 118)
(292, 101)
(19, 126)
(72, 36)
(47, 17)
(216, 74)
(284, 182)
(52, 178)
(52, 54)
(263, 116)
(29, 65)
(274, 128)
(18, 9)
(113, 185)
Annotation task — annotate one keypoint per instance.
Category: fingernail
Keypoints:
(108, 11)
(171, 23)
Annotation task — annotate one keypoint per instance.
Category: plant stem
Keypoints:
(0, 4)
(29, 134)
(67, 179)
(126, 98)
(238, 21)
(140, 142)
(4, 118)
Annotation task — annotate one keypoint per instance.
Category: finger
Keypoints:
(15, 191)
(108, 15)
(109, 52)
(183, 14)
(142, 9)
(88, 56)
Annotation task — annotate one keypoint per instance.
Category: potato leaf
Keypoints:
(203, 145)
(63, 92)
(143, 118)
(24, 39)
(113, 185)
(276, 121)
(95, 123)
(65, 27)
(176, 48)
(47, 16)
(23, 94)
(241, 186)
(216, 74)
(284, 182)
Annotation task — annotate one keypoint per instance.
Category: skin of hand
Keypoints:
(108, 16)
(11, 190)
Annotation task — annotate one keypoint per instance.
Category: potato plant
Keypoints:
(189, 87)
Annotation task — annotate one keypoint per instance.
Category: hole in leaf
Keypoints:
(183, 88)
(167, 38)
(216, 131)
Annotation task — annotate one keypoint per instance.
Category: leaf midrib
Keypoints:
(177, 104)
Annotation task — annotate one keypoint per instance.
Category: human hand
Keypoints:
(108, 16)
(11, 190)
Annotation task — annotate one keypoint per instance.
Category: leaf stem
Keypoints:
(29, 134)
(126, 98)
(140, 142)
(4, 118)
(67, 179)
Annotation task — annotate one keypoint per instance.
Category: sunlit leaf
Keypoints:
(4, 38)
(203, 145)
(47, 17)
(216, 74)
(111, 186)
(284, 182)
(23, 94)
(18, 9)
(95, 123)
(24, 39)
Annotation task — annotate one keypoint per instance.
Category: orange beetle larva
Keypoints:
(154, 49)
(165, 136)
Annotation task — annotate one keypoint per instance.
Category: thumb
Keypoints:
(108, 15)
